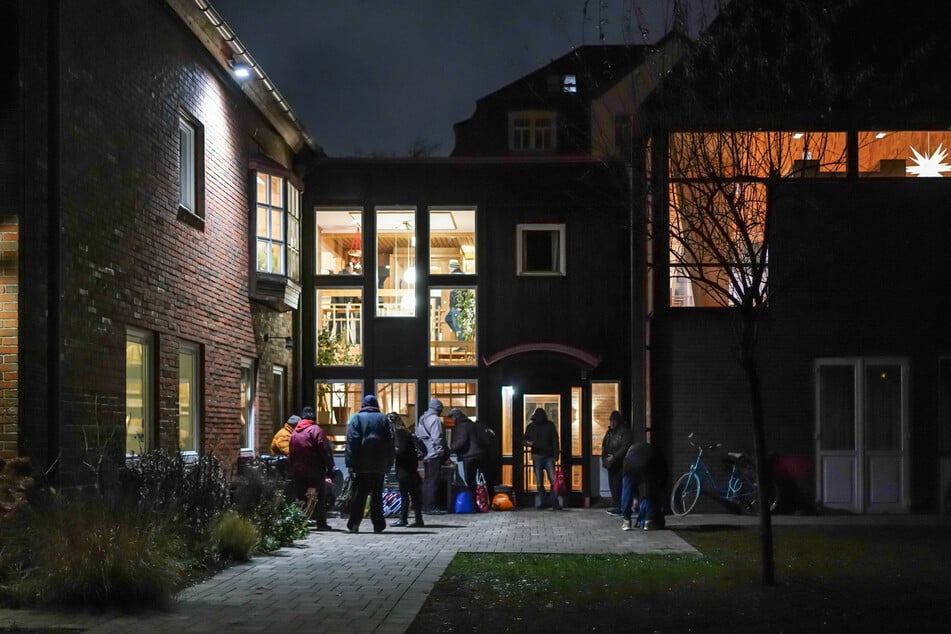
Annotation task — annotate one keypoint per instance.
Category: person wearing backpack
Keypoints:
(369, 456)
(407, 464)
(469, 446)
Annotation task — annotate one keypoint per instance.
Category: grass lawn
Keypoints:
(831, 578)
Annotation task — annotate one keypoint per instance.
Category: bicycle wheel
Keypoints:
(748, 497)
(685, 494)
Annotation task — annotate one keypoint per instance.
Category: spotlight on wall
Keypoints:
(240, 70)
(288, 341)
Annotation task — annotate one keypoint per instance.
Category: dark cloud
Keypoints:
(374, 75)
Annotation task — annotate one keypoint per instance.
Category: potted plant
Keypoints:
(332, 349)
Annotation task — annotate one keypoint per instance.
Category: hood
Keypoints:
(304, 424)
(435, 405)
(538, 415)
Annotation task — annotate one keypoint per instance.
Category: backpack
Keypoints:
(421, 450)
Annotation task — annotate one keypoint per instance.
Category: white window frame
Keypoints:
(147, 340)
(248, 388)
(530, 138)
(289, 241)
(559, 268)
(192, 352)
(187, 165)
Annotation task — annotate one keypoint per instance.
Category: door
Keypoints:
(551, 403)
(861, 434)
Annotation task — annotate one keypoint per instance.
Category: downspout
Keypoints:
(53, 243)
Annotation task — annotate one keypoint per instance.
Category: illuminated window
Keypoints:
(339, 326)
(277, 213)
(190, 164)
(461, 394)
(139, 397)
(189, 397)
(452, 333)
(541, 249)
(396, 262)
(399, 397)
(248, 406)
(452, 241)
(339, 241)
(904, 154)
(569, 84)
(532, 131)
(336, 402)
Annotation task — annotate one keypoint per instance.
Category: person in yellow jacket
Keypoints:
(279, 444)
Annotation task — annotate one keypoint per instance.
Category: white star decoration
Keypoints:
(929, 165)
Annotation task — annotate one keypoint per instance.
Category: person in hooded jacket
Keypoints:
(429, 429)
(369, 455)
(541, 437)
(310, 463)
(616, 442)
(645, 478)
(467, 444)
(406, 472)
(280, 442)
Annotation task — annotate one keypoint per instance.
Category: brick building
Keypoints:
(150, 223)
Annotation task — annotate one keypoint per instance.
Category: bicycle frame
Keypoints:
(740, 490)
(709, 484)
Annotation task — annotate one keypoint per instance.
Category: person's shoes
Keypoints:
(322, 527)
(626, 525)
(417, 524)
(379, 529)
(651, 525)
(399, 523)
(615, 512)
(353, 529)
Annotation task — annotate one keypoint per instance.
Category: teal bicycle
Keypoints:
(741, 492)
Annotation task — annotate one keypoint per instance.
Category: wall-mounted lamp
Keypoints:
(240, 70)
(288, 341)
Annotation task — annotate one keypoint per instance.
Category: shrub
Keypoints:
(87, 552)
(281, 522)
(236, 536)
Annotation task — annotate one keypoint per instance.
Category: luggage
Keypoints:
(463, 502)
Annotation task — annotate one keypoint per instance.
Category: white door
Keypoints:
(861, 434)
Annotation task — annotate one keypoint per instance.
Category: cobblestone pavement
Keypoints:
(364, 582)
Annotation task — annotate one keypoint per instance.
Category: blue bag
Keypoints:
(464, 502)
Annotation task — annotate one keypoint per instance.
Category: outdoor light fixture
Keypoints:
(288, 341)
(240, 70)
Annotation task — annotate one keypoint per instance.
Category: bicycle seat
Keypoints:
(736, 456)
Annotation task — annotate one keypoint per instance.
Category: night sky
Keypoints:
(373, 76)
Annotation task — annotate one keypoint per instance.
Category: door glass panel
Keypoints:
(836, 408)
(551, 403)
(883, 407)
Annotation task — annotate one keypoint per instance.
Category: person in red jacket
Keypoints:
(310, 463)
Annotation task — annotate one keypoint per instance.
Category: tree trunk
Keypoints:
(748, 359)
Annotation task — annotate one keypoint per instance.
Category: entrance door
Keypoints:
(551, 403)
(861, 434)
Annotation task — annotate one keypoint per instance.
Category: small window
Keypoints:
(569, 84)
(532, 131)
(190, 165)
(139, 396)
(189, 397)
(541, 250)
(247, 405)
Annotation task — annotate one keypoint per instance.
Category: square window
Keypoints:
(541, 250)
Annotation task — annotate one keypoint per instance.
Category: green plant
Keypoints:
(280, 522)
(332, 349)
(465, 302)
(236, 536)
(85, 551)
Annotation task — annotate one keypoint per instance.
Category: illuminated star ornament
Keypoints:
(929, 165)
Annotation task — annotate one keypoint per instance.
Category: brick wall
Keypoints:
(9, 327)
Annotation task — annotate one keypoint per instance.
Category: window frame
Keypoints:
(193, 350)
(289, 210)
(531, 137)
(146, 340)
(248, 404)
(191, 165)
(560, 259)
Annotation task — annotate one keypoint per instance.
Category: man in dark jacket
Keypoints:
(616, 442)
(468, 443)
(542, 437)
(310, 462)
(407, 464)
(369, 456)
(645, 478)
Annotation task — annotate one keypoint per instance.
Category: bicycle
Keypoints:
(740, 492)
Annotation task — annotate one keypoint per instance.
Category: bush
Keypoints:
(87, 552)
(236, 537)
(281, 522)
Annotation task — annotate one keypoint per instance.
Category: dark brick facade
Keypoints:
(103, 165)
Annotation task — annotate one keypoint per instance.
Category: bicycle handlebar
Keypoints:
(702, 446)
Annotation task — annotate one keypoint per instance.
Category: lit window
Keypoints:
(452, 394)
(541, 250)
(139, 398)
(189, 392)
(905, 154)
(339, 326)
(452, 331)
(570, 84)
(339, 241)
(396, 262)
(399, 397)
(247, 405)
(277, 208)
(452, 244)
(191, 165)
(532, 131)
(336, 402)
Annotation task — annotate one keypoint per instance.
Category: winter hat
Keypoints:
(308, 413)
(456, 414)
(370, 401)
(293, 420)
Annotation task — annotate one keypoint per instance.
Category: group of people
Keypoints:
(637, 477)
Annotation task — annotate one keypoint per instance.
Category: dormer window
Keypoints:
(569, 84)
(276, 217)
(532, 131)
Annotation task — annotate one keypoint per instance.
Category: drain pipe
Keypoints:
(53, 336)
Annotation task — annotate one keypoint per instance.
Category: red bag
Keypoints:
(482, 493)
(561, 487)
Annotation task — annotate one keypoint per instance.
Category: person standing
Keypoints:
(369, 454)
(429, 430)
(614, 447)
(644, 478)
(468, 444)
(310, 463)
(279, 443)
(407, 464)
(542, 437)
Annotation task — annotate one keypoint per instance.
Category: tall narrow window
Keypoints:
(247, 405)
(139, 398)
(278, 389)
(189, 397)
(186, 165)
(396, 262)
(277, 205)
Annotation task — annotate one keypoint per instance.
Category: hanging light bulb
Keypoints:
(409, 275)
